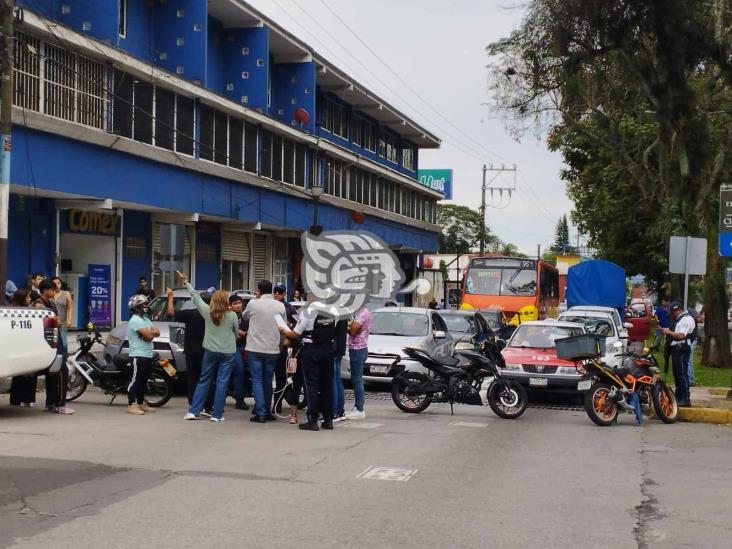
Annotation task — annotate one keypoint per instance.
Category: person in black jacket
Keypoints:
(195, 328)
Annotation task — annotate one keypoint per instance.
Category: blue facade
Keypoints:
(293, 88)
(31, 237)
(245, 70)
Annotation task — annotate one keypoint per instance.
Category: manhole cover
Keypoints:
(388, 473)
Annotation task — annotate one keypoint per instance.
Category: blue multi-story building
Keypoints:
(155, 135)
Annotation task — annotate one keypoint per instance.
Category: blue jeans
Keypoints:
(237, 375)
(262, 366)
(339, 397)
(358, 359)
(690, 363)
(225, 362)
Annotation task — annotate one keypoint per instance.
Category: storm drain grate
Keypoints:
(388, 473)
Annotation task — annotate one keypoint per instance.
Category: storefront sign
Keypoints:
(90, 222)
(100, 295)
(725, 220)
(437, 180)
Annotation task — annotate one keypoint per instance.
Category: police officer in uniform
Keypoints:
(684, 325)
(317, 332)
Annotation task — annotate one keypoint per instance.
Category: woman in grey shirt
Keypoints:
(65, 305)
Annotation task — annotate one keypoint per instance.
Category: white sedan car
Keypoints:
(601, 323)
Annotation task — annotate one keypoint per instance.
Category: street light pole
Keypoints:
(6, 110)
(316, 190)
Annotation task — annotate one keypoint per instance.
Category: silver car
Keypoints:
(392, 329)
(170, 343)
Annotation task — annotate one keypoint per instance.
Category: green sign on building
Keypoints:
(437, 180)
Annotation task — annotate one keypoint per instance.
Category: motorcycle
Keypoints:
(609, 390)
(85, 369)
(449, 381)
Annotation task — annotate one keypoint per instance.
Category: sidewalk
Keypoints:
(710, 405)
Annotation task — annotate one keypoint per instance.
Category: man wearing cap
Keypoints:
(10, 289)
(279, 293)
(680, 350)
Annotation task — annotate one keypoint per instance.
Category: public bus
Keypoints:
(524, 289)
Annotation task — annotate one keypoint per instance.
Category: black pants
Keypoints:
(317, 369)
(56, 386)
(141, 367)
(23, 389)
(666, 353)
(280, 373)
(194, 359)
(680, 365)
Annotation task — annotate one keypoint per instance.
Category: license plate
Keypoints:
(379, 369)
(538, 381)
(584, 385)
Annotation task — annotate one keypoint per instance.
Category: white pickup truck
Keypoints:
(28, 341)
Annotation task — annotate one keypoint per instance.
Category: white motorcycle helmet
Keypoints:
(138, 302)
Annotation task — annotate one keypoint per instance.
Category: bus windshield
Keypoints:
(506, 278)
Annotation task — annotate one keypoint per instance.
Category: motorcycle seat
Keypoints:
(121, 361)
(474, 357)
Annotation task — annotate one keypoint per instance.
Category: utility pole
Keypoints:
(488, 186)
(7, 14)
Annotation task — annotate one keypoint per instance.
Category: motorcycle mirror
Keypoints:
(617, 345)
(501, 344)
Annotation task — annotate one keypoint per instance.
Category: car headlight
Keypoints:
(514, 368)
(567, 370)
(464, 345)
(113, 340)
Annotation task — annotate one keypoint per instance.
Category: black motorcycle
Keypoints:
(113, 379)
(447, 380)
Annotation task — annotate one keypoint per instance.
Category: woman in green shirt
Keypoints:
(219, 346)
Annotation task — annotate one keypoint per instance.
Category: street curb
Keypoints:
(706, 415)
(718, 391)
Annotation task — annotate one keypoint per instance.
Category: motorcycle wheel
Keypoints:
(77, 385)
(596, 405)
(159, 389)
(507, 402)
(404, 396)
(664, 402)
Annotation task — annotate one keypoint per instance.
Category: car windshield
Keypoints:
(519, 280)
(399, 324)
(595, 326)
(541, 336)
(463, 324)
(159, 307)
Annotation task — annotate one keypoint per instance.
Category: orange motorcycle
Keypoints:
(609, 390)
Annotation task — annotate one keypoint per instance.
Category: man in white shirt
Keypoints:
(684, 325)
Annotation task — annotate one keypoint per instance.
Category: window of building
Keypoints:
(92, 93)
(236, 142)
(135, 246)
(266, 167)
(357, 131)
(165, 118)
(389, 147)
(334, 180)
(122, 104)
(184, 120)
(234, 275)
(250, 148)
(123, 18)
(334, 118)
(382, 146)
(374, 190)
(206, 132)
(27, 72)
(408, 157)
(221, 138)
(277, 157)
(288, 161)
(301, 151)
(143, 117)
(369, 136)
(60, 85)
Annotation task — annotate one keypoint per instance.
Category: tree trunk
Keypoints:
(716, 351)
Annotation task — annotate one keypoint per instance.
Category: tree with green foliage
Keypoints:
(635, 94)
(561, 236)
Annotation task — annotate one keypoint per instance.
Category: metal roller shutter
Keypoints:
(262, 258)
(235, 246)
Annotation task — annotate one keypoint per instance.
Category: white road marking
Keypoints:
(468, 424)
(388, 473)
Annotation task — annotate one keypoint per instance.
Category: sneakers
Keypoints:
(270, 417)
(327, 424)
(355, 414)
(145, 407)
(135, 409)
(293, 419)
(51, 409)
(27, 404)
(189, 416)
(242, 406)
(257, 419)
(206, 414)
(309, 426)
(340, 418)
(65, 410)
(218, 419)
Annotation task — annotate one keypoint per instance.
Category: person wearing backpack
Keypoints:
(680, 350)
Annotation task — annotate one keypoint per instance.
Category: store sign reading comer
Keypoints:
(437, 180)
(88, 222)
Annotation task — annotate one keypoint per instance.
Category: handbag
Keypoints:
(291, 366)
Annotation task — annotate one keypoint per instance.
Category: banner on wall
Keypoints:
(100, 295)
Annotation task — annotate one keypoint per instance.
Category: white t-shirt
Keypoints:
(685, 324)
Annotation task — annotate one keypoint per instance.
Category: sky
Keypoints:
(438, 48)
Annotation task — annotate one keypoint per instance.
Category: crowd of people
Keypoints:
(53, 294)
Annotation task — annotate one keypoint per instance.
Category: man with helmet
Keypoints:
(680, 350)
(140, 334)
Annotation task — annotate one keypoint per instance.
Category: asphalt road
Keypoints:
(101, 478)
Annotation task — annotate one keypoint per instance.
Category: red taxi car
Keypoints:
(531, 358)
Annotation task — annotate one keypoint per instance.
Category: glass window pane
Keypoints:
(206, 132)
(164, 118)
(184, 125)
(143, 112)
